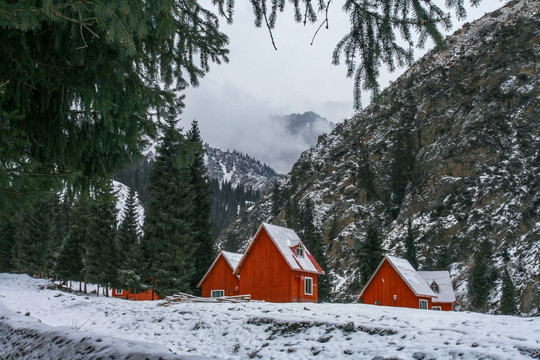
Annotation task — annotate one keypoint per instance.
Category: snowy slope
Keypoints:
(469, 116)
(239, 169)
(262, 330)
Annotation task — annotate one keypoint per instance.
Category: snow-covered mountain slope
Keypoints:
(453, 145)
(239, 169)
(256, 329)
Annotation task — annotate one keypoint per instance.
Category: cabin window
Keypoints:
(436, 308)
(423, 304)
(119, 291)
(435, 287)
(218, 293)
(308, 286)
(300, 250)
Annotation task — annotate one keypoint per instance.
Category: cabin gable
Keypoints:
(263, 271)
(220, 277)
(387, 282)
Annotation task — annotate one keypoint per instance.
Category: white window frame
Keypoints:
(436, 308)
(213, 293)
(423, 301)
(310, 287)
(300, 250)
(119, 291)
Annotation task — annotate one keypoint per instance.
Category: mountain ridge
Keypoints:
(464, 123)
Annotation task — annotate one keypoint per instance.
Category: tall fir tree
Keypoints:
(277, 199)
(410, 248)
(36, 239)
(480, 277)
(101, 253)
(403, 162)
(66, 119)
(203, 241)
(128, 238)
(313, 239)
(167, 244)
(70, 263)
(369, 252)
(508, 295)
(365, 176)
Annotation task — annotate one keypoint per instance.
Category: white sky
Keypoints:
(233, 102)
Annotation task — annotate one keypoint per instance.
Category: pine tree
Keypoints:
(101, 253)
(410, 247)
(67, 118)
(167, 245)
(403, 160)
(69, 265)
(508, 300)
(203, 241)
(35, 240)
(128, 238)
(480, 277)
(370, 252)
(312, 237)
(365, 176)
(277, 200)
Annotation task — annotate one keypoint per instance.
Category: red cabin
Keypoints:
(397, 283)
(276, 267)
(144, 295)
(220, 280)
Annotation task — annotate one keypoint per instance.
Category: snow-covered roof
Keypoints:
(442, 278)
(416, 282)
(285, 240)
(231, 258)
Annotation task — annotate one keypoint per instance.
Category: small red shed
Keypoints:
(396, 283)
(144, 295)
(278, 267)
(220, 280)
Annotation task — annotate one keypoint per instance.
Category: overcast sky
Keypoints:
(235, 100)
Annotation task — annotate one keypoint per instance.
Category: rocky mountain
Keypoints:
(454, 146)
(307, 126)
(239, 169)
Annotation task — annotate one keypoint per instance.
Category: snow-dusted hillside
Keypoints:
(454, 146)
(249, 330)
(239, 169)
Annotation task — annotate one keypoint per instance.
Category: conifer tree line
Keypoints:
(81, 241)
(227, 200)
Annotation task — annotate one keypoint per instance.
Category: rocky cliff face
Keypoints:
(239, 169)
(453, 145)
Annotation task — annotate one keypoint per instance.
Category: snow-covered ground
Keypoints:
(263, 330)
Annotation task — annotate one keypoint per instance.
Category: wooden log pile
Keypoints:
(185, 298)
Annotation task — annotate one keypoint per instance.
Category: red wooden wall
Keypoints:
(383, 291)
(266, 275)
(298, 287)
(220, 277)
(444, 306)
(125, 294)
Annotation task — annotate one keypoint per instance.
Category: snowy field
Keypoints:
(256, 329)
